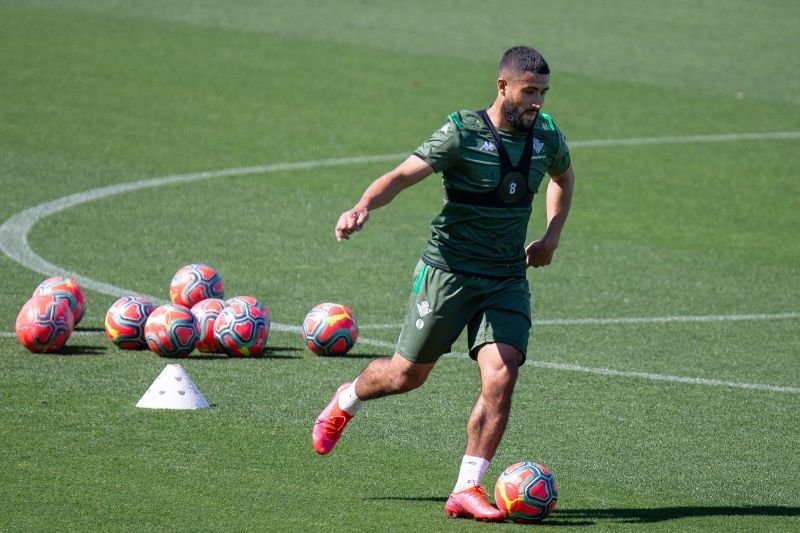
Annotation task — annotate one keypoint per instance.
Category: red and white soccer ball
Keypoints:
(330, 329)
(44, 324)
(526, 492)
(206, 313)
(64, 288)
(125, 321)
(193, 284)
(171, 331)
(242, 329)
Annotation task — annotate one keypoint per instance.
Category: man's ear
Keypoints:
(502, 85)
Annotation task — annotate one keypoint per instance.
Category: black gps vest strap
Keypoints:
(512, 190)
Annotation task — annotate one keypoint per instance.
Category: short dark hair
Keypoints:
(521, 59)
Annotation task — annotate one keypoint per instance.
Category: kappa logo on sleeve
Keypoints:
(488, 146)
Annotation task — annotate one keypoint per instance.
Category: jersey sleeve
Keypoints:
(562, 160)
(440, 151)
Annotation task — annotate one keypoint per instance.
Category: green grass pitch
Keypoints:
(648, 425)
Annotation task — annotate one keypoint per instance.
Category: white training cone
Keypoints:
(173, 389)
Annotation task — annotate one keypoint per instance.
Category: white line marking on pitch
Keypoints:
(556, 366)
(14, 231)
(633, 320)
(730, 137)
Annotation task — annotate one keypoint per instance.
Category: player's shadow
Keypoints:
(589, 517)
(91, 330)
(408, 498)
(661, 514)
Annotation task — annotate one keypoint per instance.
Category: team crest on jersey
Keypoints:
(488, 146)
(537, 145)
(424, 308)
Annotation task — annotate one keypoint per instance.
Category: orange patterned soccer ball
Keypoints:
(193, 284)
(44, 324)
(526, 492)
(330, 329)
(261, 308)
(171, 331)
(242, 329)
(64, 288)
(125, 322)
(206, 313)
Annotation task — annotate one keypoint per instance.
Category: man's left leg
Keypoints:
(499, 367)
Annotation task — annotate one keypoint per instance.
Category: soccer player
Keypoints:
(472, 271)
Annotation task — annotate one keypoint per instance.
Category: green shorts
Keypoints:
(443, 303)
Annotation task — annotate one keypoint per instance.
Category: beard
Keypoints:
(516, 118)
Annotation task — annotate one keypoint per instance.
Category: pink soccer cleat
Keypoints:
(330, 424)
(471, 503)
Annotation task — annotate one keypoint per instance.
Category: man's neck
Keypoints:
(496, 116)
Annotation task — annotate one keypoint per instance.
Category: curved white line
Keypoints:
(14, 231)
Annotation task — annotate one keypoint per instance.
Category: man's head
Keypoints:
(522, 81)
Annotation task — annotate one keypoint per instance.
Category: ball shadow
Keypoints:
(356, 356)
(76, 349)
(270, 352)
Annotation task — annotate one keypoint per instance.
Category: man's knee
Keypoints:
(499, 365)
(408, 376)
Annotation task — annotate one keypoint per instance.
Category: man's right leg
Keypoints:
(382, 377)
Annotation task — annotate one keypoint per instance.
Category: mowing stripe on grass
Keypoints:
(14, 236)
(661, 377)
(14, 231)
(556, 366)
(635, 320)
(730, 137)
(621, 373)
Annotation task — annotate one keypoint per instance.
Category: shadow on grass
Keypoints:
(357, 356)
(81, 350)
(91, 330)
(661, 514)
(407, 499)
(270, 352)
(588, 517)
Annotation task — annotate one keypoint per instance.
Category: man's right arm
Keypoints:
(381, 192)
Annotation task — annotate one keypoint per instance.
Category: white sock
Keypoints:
(471, 473)
(348, 401)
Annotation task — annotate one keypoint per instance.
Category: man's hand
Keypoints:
(540, 253)
(351, 221)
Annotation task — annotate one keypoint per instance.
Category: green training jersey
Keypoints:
(480, 240)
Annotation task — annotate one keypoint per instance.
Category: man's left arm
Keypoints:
(559, 198)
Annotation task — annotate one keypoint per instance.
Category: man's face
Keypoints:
(524, 96)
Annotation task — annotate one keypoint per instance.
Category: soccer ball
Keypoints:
(193, 284)
(526, 492)
(255, 303)
(330, 329)
(61, 287)
(206, 313)
(171, 331)
(241, 329)
(44, 324)
(125, 322)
